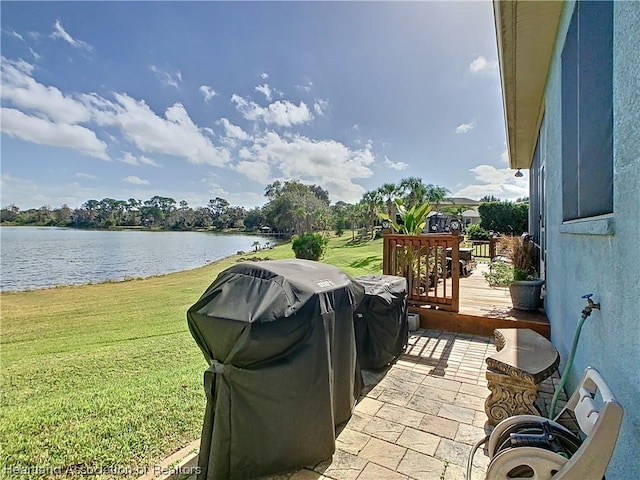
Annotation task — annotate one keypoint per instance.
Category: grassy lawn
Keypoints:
(107, 376)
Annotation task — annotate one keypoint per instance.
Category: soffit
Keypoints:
(526, 34)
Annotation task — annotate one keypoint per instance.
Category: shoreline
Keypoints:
(126, 279)
(125, 228)
(28, 271)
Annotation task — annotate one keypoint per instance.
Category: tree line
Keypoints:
(291, 208)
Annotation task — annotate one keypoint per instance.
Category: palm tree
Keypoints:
(436, 194)
(408, 257)
(389, 192)
(299, 218)
(413, 190)
(353, 214)
(372, 203)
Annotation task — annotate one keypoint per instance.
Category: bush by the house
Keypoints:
(476, 232)
(500, 274)
(504, 217)
(310, 246)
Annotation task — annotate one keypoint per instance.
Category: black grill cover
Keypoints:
(279, 338)
(381, 320)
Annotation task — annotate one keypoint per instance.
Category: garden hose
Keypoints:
(477, 445)
(565, 373)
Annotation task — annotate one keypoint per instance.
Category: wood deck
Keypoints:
(482, 309)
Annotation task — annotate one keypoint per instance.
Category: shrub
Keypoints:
(310, 246)
(476, 232)
(500, 274)
(504, 217)
(523, 255)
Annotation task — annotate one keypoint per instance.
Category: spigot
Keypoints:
(591, 305)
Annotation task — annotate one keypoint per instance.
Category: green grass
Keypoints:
(107, 376)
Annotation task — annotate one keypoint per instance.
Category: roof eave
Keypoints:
(526, 36)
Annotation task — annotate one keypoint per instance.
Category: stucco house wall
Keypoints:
(600, 255)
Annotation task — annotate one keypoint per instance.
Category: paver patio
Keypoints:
(419, 418)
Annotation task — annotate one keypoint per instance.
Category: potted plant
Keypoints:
(412, 222)
(519, 272)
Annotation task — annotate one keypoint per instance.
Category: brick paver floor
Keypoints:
(420, 418)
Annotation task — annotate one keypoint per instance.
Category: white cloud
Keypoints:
(207, 92)
(86, 176)
(35, 54)
(265, 89)
(59, 32)
(213, 188)
(47, 116)
(504, 157)
(175, 134)
(465, 127)
(147, 161)
(499, 182)
(257, 171)
(320, 106)
(356, 127)
(131, 159)
(26, 193)
(395, 165)
(244, 153)
(264, 76)
(22, 90)
(307, 87)
(480, 65)
(324, 162)
(168, 78)
(281, 113)
(491, 174)
(132, 179)
(18, 67)
(232, 131)
(29, 194)
(43, 132)
(13, 33)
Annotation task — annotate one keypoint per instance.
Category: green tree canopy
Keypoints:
(504, 217)
(295, 207)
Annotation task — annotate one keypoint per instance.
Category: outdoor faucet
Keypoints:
(586, 311)
(591, 305)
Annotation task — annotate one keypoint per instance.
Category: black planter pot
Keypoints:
(525, 294)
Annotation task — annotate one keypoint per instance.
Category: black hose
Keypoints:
(473, 452)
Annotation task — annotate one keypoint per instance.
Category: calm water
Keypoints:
(35, 257)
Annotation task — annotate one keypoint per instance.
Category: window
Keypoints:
(587, 112)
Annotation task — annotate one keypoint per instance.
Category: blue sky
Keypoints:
(199, 100)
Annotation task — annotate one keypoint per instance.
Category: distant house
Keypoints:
(571, 88)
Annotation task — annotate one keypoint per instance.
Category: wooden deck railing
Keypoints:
(484, 248)
(430, 263)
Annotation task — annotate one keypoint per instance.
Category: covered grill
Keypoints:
(279, 338)
(381, 320)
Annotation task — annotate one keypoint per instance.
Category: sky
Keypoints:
(198, 100)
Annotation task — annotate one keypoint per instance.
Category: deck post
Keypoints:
(386, 259)
(493, 241)
(455, 274)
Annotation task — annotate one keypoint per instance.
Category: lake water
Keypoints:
(33, 257)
